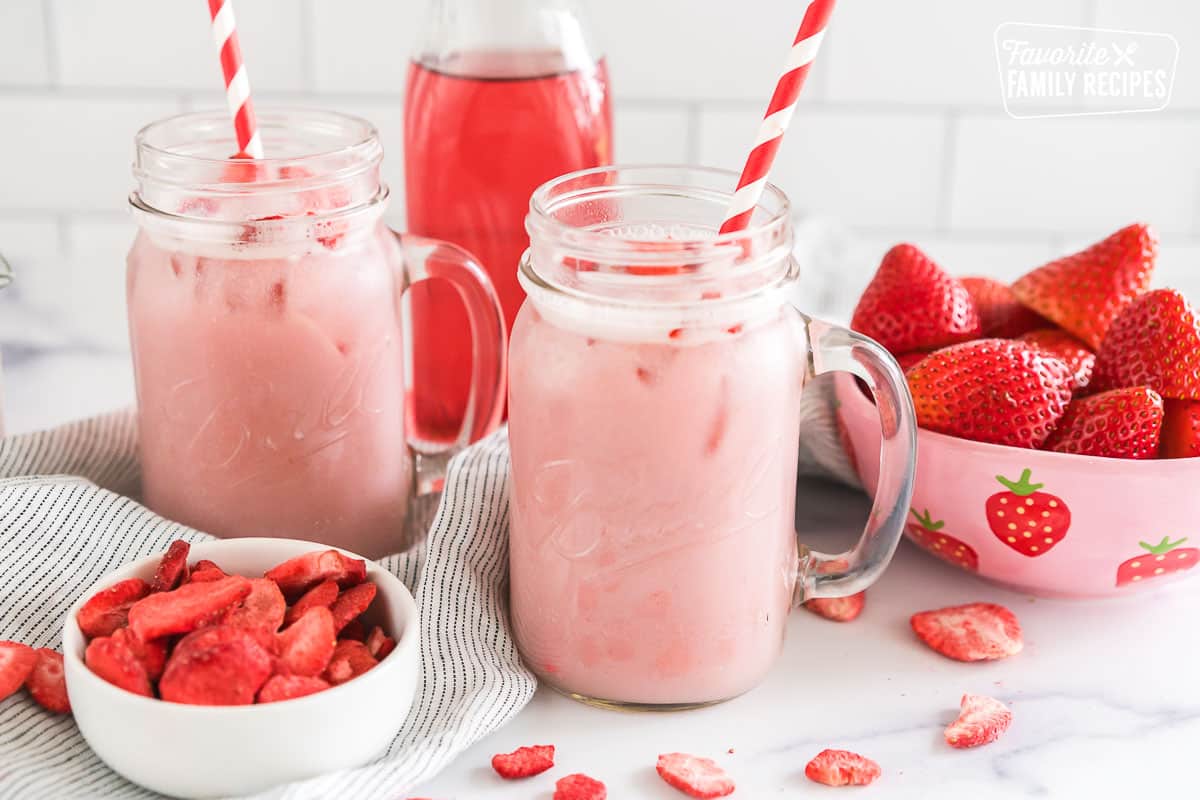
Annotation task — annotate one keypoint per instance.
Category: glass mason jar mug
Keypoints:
(654, 419)
(265, 312)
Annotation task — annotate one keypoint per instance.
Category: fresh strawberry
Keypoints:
(927, 533)
(1066, 348)
(981, 720)
(47, 684)
(16, 662)
(1122, 423)
(524, 762)
(694, 776)
(350, 659)
(323, 594)
(289, 687)
(1155, 342)
(838, 609)
(912, 304)
(306, 647)
(1028, 521)
(186, 608)
(112, 659)
(1181, 429)
(1083, 293)
(974, 632)
(991, 390)
(172, 568)
(216, 666)
(295, 576)
(1000, 312)
(909, 360)
(579, 787)
(1163, 559)
(108, 609)
(842, 768)
(352, 602)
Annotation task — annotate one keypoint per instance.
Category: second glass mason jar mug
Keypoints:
(265, 313)
(654, 414)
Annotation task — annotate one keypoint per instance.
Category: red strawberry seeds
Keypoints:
(928, 534)
(838, 609)
(1025, 519)
(1122, 423)
(991, 390)
(1155, 342)
(981, 720)
(694, 776)
(842, 768)
(974, 632)
(912, 304)
(1083, 293)
(524, 762)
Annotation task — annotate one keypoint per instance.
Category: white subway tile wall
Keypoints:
(901, 134)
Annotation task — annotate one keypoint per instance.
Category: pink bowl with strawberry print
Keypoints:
(1048, 523)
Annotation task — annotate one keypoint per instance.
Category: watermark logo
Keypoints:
(1066, 71)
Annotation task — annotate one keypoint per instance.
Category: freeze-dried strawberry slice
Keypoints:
(524, 762)
(354, 630)
(981, 720)
(379, 644)
(579, 787)
(16, 662)
(353, 602)
(46, 682)
(297, 575)
(974, 632)
(838, 609)
(112, 659)
(350, 659)
(263, 609)
(108, 609)
(288, 687)
(186, 608)
(203, 571)
(842, 768)
(306, 647)
(694, 776)
(172, 569)
(216, 666)
(152, 654)
(323, 594)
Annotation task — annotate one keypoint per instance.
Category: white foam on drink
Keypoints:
(658, 232)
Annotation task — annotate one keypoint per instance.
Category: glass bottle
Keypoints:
(502, 96)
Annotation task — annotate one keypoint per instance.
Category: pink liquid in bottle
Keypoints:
(482, 131)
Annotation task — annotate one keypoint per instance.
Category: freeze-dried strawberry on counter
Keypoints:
(973, 632)
(980, 721)
(842, 768)
(694, 776)
(838, 609)
(524, 762)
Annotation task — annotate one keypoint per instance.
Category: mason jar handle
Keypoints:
(835, 349)
(431, 258)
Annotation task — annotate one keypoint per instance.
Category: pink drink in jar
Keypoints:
(654, 415)
(264, 310)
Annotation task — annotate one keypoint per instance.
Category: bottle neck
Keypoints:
(506, 38)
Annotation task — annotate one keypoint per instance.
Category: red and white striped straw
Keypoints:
(237, 84)
(779, 114)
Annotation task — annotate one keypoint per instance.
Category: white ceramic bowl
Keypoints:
(210, 751)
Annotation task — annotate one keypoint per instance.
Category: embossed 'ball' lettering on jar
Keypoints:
(268, 340)
(654, 419)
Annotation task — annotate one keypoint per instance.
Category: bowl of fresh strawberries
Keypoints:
(233, 666)
(1059, 417)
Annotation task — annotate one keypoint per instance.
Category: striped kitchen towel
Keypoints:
(67, 517)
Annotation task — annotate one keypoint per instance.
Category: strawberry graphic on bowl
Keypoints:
(1027, 520)
(927, 532)
(1160, 559)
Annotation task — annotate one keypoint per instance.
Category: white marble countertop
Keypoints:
(1105, 697)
